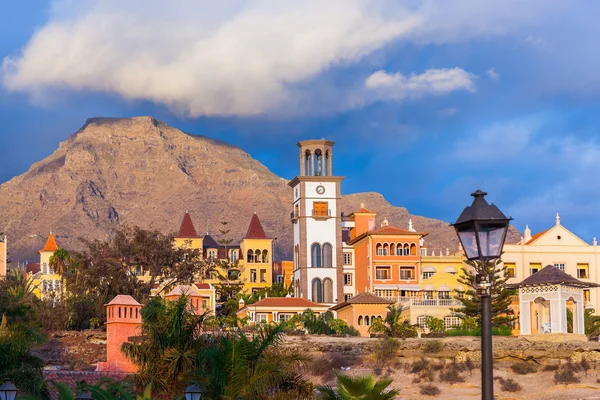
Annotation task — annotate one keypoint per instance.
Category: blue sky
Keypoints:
(426, 100)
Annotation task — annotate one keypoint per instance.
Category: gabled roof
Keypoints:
(536, 236)
(387, 230)
(296, 302)
(210, 242)
(255, 229)
(203, 286)
(181, 290)
(550, 275)
(123, 300)
(50, 244)
(363, 298)
(33, 268)
(187, 230)
(362, 210)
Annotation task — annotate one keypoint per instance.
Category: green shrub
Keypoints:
(510, 385)
(385, 350)
(429, 390)
(523, 368)
(433, 346)
(499, 331)
(419, 365)
(565, 376)
(435, 324)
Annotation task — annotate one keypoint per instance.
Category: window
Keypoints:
(586, 295)
(534, 267)
(253, 276)
(406, 250)
(582, 271)
(265, 256)
(459, 294)
(421, 321)
(279, 278)
(360, 320)
(347, 279)
(347, 297)
(317, 291)
(560, 266)
(406, 273)
(386, 249)
(423, 252)
(233, 274)
(327, 290)
(429, 274)
(510, 268)
(204, 304)
(263, 276)
(382, 273)
(320, 209)
(327, 256)
(315, 251)
(233, 255)
(262, 317)
(347, 258)
(443, 295)
(451, 322)
(379, 249)
(384, 293)
(284, 317)
(399, 249)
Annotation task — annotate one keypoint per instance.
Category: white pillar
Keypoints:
(525, 318)
(558, 318)
(580, 318)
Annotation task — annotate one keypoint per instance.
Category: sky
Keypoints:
(426, 100)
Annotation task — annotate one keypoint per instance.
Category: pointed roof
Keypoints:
(363, 298)
(187, 230)
(387, 230)
(255, 230)
(362, 210)
(181, 290)
(50, 244)
(550, 275)
(210, 242)
(123, 300)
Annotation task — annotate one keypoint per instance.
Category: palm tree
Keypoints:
(358, 388)
(59, 262)
(389, 325)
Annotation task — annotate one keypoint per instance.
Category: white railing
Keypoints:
(420, 302)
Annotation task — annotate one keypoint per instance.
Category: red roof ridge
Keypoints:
(50, 244)
(187, 229)
(536, 236)
(255, 229)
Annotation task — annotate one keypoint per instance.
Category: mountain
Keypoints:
(141, 171)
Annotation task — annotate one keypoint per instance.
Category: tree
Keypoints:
(434, 324)
(60, 260)
(358, 388)
(502, 314)
(393, 325)
(592, 324)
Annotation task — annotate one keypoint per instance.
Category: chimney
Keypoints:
(241, 304)
(385, 223)
(527, 237)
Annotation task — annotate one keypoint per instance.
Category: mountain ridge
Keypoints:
(142, 171)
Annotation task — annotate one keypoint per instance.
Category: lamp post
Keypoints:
(193, 392)
(481, 229)
(8, 391)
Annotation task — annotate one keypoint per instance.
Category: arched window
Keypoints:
(372, 319)
(399, 249)
(315, 251)
(256, 256)
(392, 249)
(379, 249)
(413, 249)
(328, 291)
(265, 256)
(421, 321)
(250, 256)
(318, 163)
(360, 320)
(317, 291)
(296, 256)
(326, 171)
(386, 249)
(307, 163)
(327, 255)
(367, 320)
(406, 249)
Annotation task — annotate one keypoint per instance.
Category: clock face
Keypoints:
(320, 189)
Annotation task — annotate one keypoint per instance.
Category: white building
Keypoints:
(318, 258)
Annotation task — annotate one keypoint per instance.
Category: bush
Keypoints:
(429, 390)
(452, 374)
(385, 350)
(585, 366)
(433, 346)
(565, 376)
(550, 367)
(325, 365)
(499, 331)
(510, 385)
(405, 330)
(523, 368)
(419, 365)
(435, 324)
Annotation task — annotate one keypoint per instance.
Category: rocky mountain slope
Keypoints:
(144, 172)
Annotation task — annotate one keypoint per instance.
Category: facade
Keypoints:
(317, 225)
(3, 255)
(277, 309)
(361, 310)
(47, 283)
(561, 248)
(283, 272)
(257, 257)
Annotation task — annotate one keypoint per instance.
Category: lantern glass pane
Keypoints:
(468, 239)
(491, 236)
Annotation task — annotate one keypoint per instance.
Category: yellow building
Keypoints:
(46, 281)
(256, 257)
(187, 236)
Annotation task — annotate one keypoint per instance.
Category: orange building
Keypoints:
(283, 272)
(361, 311)
(123, 322)
(386, 259)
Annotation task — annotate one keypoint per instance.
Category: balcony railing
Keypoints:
(293, 216)
(421, 302)
(321, 213)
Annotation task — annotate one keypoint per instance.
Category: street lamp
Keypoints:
(8, 391)
(481, 229)
(193, 392)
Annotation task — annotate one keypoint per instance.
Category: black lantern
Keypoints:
(8, 391)
(481, 229)
(193, 392)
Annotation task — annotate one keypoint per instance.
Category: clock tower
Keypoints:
(316, 217)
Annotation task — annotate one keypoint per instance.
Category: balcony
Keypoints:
(421, 302)
(294, 216)
(321, 213)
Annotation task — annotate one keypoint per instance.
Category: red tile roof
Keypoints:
(536, 236)
(33, 268)
(392, 230)
(255, 230)
(363, 298)
(201, 286)
(286, 302)
(187, 230)
(123, 300)
(71, 378)
(187, 290)
(50, 244)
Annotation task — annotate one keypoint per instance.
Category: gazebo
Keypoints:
(544, 299)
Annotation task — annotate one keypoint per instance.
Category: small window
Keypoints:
(347, 297)
(510, 269)
(382, 273)
(582, 271)
(421, 319)
(320, 209)
(428, 274)
(263, 276)
(252, 276)
(560, 266)
(284, 317)
(347, 258)
(407, 274)
(262, 317)
(451, 322)
(586, 295)
(534, 267)
(347, 279)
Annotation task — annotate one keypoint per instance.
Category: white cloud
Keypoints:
(433, 81)
(240, 57)
(492, 74)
